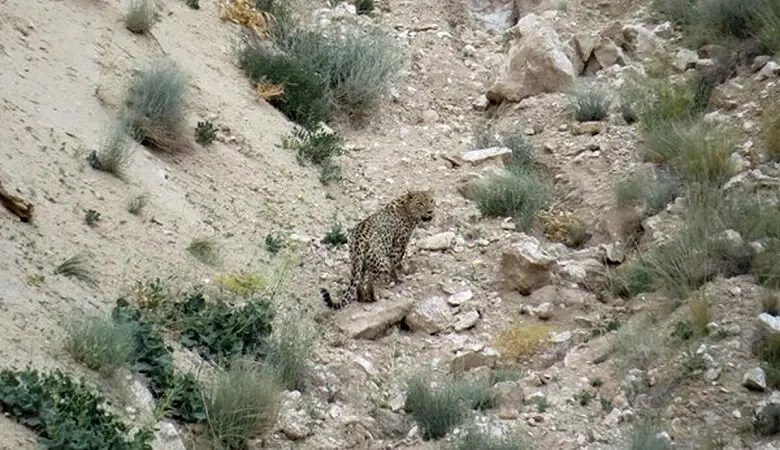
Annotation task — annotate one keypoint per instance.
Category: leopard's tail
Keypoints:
(345, 300)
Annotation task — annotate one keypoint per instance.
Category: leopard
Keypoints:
(378, 243)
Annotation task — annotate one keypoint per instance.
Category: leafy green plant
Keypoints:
(205, 251)
(584, 397)
(205, 132)
(513, 194)
(100, 344)
(91, 217)
(140, 16)
(274, 242)
(243, 402)
(364, 6)
(194, 4)
(65, 413)
(155, 106)
(219, 332)
(589, 104)
(115, 154)
(153, 359)
(335, 236)
(77, 266)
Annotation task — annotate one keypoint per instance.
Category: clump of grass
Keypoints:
(636, 344)
(631, 279)
(205, 251)
(766, 422)
(700, 306)
(136, 204)
(657, 102)
(319, 147)
(115, 154)
(437, 411)
(770, 302)
(78, 267)
(772, 134)
(695, 152)
(320, 74)
(205, 132)
(475, 439)
(651, 194)
(155, 106)
(244, 285)
(513, 194)
(590, 104)
(244, 402)
(502, 374)
(645, 436)
(100, 344)
(336, 236)
(140, 15)
(519, 342)
(287, 353)
(681, 12)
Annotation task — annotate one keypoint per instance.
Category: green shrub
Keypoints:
(766, 422)
(475, 439)
(65, 413)
(766, 268)
(436, 411)
(155, 106)
(658, 102)
(590, 104)
(320, 74)
(305, 97)
(115, 154)
(522, 147)
(681, 12)
(140, 15)
(205, 132)
(651, 194)
(636, 344)
(336, 236)
(364, 6)
(772, 133)
(287, 353)
(513, 194)
(729, 18)
(274, 242)
(631, 279)
(100, 344)
(136, 204)
(243, 403)
(695, 152)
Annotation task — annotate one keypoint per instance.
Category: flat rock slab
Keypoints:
(371, 322)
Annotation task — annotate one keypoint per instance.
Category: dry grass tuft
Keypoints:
(243, 12)
(520, 342)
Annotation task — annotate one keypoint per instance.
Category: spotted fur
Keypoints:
(378, 244)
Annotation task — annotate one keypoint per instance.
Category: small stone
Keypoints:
(429, 116)
(480, 103)
(469, 51)
(559, 338)
(544, 311)
(430, 316)
(759, 62)
(466, 321)
(460, 298)
(755, 379)
(477, 156)
(468, 359)
(685, 59)
(441, 241)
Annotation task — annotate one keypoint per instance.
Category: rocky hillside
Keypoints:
(178, 179)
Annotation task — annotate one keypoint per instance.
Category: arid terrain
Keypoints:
(597, 321)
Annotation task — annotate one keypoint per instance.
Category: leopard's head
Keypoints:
(420, 204)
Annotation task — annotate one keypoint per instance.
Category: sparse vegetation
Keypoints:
(287, 352)
(651, 194)
(243, 402)
(770, 302)
(502, 374)
(522, 147)
(77, 266)
(772, 133)
(520, 342)
(115, 154)
(513, 194)
(136, 204)
(636, 344)
(700, 306)
(100, 344)
(205, 132)
(205, 251)
(155, 106)
(65, 413)
(584, 397)
(335, 236)
(766, 422)
(140, 15)
(475, 439)
(645, 436)
(194, 4)
(244, 285)
(590, 104)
